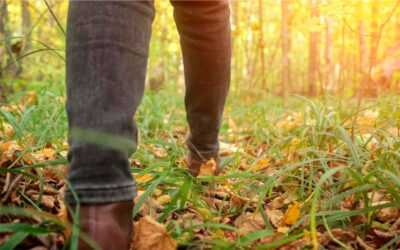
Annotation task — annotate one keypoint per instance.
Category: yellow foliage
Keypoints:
(144, 178)
(164, 200)
(292, 215)
(6, 131)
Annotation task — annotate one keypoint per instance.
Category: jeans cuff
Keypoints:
(101, 195)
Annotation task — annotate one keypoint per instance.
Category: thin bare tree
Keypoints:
(285, 51)
(313, 53)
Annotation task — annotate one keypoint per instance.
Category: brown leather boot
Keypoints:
(195, 163)
(109, 225)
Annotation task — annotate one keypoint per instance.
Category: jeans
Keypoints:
(107, 51)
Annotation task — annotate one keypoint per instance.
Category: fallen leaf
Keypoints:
(6, 131)
(144, 178)
(363, 244)
(137, 162)
(47, 200)
(292, 215)
(276, 203)
(249, 223)
(164, 199)
(208, 168)
(48, 152)
(238, 200)
(149, 207)
(190, 220)
(158, 152)
(282, 229)
(56, 173)
(157, 192)
(44, 155)
(226, 149)
(231, 124)
(204, 212)
(30, 98)
(151, 235)
(8, 151)
(387, 214)
(260, 165)
(274, 216)
(368, 119)
(182, 162)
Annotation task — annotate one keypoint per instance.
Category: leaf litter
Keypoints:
(240, 205)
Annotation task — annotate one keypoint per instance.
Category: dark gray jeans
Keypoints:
(107, 54)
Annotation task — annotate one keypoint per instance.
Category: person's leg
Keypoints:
(204, 30)
(107, 52)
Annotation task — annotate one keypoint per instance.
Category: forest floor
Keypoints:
(293, 177)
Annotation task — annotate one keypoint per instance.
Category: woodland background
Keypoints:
(306, 47)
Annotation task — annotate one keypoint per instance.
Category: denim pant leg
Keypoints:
(204, 30)
(107, 53)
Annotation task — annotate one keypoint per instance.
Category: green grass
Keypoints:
(312, 172)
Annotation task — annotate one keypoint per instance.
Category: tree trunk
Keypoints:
(330, 68)
(260, 16)
(3, 21)
(374, 31)
(26, 24)
(312, 69)
(285, 51)
(342, 78)
(363, 52)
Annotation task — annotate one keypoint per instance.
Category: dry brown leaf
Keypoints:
(53, 173)
(39, 248)
(151, 235)
(208, 168)
(274, 216)
(137, 162)
(243, 166)
(149, 207)
(47, 200)
(230, 235)
(238, 201)
(249, 223)
(226, 149)
(191, 219)
(276, 203)
(8, 149)
(387, 214)
(292, 215)
(363, 244)
(158, 152)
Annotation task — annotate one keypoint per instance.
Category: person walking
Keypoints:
(107, 49)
